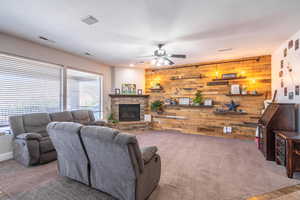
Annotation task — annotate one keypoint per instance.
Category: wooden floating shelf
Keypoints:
(128, 95)
(215, 83)
(187, 106)
(230, 113)
(156, 89)
(170, 117)
(226, 79)
(244, 95)
(186, 77)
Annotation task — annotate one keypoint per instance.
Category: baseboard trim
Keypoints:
(6, 156)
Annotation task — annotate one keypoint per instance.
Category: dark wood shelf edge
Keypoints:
(228, 79)
(245, 95)
(128, 95)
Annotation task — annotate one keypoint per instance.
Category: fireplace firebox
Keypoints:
(129, 112)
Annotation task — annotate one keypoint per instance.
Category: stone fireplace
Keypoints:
(129, 108)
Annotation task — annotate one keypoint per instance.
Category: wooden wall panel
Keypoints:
(203, 120)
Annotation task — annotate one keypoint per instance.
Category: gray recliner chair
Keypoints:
(32, 144)
(112, 160)
(71, 156)
(86, 117)
(117, 166)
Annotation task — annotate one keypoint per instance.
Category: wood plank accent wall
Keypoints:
(202, 120)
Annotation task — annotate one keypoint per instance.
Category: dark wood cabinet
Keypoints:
(277, 116)
(287, 151)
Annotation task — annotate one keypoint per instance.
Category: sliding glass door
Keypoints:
(84, 91)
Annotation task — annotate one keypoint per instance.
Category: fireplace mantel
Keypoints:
(128, 95)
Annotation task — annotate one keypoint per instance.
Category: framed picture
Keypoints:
(285, 52)
(184, 101)
(291, 44)
(285, 91)
(291, 95)
(230, 75)
(235, 89)
(296, 45)
(140, 91)
(297, 90)
(282, 64)
(128, 88)
(208, 102)
(117, 91)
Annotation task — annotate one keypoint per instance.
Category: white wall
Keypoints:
(130, 75)
(20, 47)
(290, 79)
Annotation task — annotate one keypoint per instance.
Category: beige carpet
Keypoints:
(193, 168)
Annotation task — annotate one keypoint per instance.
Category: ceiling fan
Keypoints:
(161, 57)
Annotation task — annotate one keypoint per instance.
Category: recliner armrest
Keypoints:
(148, 153)
(29, 136)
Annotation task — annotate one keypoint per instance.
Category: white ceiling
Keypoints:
(131, 28)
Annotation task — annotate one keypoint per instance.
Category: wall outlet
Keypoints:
(227, 129)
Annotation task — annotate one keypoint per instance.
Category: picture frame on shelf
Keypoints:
(229, 75)
(235, 89)
(184, 101)
(291, 95)
(208, 102)
(117, 91)
(139, 91)
(128, 88)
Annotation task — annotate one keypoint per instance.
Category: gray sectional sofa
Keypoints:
(106, 159)
(32, 144)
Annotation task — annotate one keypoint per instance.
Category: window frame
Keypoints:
(63, 82)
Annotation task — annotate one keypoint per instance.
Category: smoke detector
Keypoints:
(89, 20)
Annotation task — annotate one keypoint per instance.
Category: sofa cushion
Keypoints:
(81, 116)
(46, 145)
(36, 123)
(65, 116)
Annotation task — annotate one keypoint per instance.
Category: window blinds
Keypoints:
(28, 86)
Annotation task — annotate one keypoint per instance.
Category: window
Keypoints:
(28, 86)
(84, 91)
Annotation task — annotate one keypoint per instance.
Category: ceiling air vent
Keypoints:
(223, 50)
(46, 39)
(89, 20)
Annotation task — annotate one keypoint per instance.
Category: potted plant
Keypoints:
(157, 106)
(198, 98)
(111, 119)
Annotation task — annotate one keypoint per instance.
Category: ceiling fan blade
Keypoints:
(170, 61)
(150, 56)
(178, 56)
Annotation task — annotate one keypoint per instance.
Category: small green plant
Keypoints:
(156, 106)
(112, 119)
(198, 98)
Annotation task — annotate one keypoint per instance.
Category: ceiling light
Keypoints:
(166, 62)
(153, 62)
(89, 20)
(46, 39)
(132, 65)
(223, 50)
